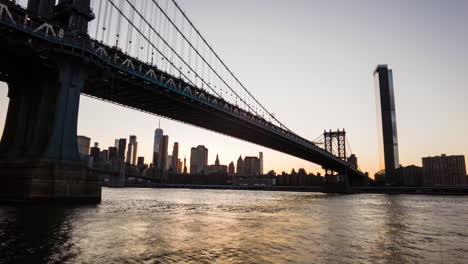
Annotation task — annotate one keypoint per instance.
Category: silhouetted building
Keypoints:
(410, 175)
(132, 150)
(158, 135)
(112, 153)
(180, 168)
(260, 156)
(388, 140)
(121, 148)
(163, 154)
(198, 159)
(217, 168)
(141, 161)
(251, 166)
(444, 170)
(240, 166)
(175, 157)
(352, 160)
(104, 155)
(84, 144)
(94, 152)
(185, 165)
(231, 168)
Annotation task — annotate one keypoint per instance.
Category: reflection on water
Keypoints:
(225, 226)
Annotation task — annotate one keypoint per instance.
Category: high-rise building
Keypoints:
(94, 152)
(444, 170)
(141, 161)
(112, 153)
(260, 156)
(352, 160)
(180, 168)
(388, 140)
(158, 135)
(132, 150)
(231, 168)
(121, 148)
(240, 166)
(251, 166)
(104, 155)
(163, 161)
(198, 159)
(185, 165)
(175, 157)
(116, 143)
(83, 145)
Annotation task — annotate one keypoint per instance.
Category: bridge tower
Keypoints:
(38, 150)
(336, 183)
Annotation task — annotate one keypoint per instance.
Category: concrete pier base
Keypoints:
(40, 181)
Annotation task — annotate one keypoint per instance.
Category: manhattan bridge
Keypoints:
(145, 55)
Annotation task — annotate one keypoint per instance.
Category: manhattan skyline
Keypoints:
(325, 81)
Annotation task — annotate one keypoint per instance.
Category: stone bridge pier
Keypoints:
(38, 150)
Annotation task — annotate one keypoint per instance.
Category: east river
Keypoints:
(227, 226)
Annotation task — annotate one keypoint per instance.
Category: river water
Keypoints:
(228, 226)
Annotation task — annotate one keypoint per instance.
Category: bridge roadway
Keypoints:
(127, 81)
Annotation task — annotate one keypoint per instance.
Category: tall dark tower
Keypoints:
(41, 8)
(75, 15)
(386, 123)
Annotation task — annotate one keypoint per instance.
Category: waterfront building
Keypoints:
(231, 169)
(180, 168)
(410, 175)
(132, 150)
(163, 159)
(175, 157)
(388, 140)
(84, 144)
(352, 160)
(94, 152)
(260, 156)
(217, 168)
(198, 159)
(185, 165)
(121, 149)
(444, 170)
(240, 166)
(112, 153)
(158, 135)
(251, 166)
(104, 155)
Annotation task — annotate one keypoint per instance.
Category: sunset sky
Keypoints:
(311, 63)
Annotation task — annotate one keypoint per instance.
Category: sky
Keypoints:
(311, 63)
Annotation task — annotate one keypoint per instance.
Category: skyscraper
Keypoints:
(240, 166)
(175, 156)
(94, 152)
(158, 134)
(386, 122)
(163, 162)
(198, 159)
(132, 150)
(83, 145)
(121, 148)
(231, 169)
(260, 156)
(112, 153)
(251, 166)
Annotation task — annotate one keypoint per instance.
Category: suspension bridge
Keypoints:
(146, 55)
